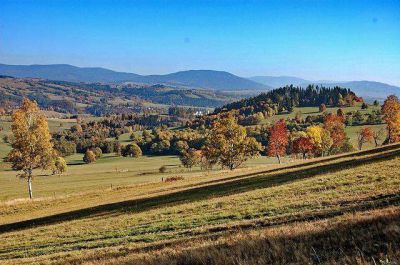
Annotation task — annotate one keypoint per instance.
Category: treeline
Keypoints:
(105, 133)
(229, 144)
(286, 98)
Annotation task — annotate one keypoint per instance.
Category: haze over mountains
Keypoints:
(205, 79)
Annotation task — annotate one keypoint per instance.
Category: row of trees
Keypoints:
(229, 144)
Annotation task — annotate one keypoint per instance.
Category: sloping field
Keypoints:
(337, 209)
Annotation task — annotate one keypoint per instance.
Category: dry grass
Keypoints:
(255, 218)
(360, 238)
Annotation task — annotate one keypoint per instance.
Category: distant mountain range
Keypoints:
(279, 81)
(366, 89)
(204, 79)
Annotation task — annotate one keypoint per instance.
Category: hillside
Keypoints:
(206, 79)
(71, 97)
(341, 209)
(369, 90)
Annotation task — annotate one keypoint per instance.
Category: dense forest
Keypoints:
(288, 97)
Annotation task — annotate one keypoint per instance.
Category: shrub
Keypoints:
(89, 157)
(176, 178)
(97, 152)
(162, 169)
(60, 166)
(132, 150)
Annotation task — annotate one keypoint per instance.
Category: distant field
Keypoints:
(298, 213)
(305, 111)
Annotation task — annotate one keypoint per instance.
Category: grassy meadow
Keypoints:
(179, 221)
(342, 209)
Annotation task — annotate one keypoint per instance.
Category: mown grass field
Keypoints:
(342, 209)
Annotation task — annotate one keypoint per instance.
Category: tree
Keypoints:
(303, 145)
(97, 152)
(117, 148)
(322, 107)
(31, 147)
(365, 135)
(228, 143)
(314, 133)
(378, 136)
(137, 138)
(132, 150)
(161, 147)
(358, 118)
(347, 146)
(89, 157)
(64, 147)
(376, 103)
(60, 166)
(180, 147)
(77, 128)
(321, 139)
(340, 113)
(278, 140)
(190, 158)
(391, 115)
(335, 125)
(364, 106)
(326, 142)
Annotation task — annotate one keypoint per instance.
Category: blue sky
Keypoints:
(318, 40)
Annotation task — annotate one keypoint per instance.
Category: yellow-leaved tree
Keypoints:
(321, 139)
(31, 147)
(228, 144)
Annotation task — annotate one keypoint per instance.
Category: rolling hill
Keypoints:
(335, 210)
(72, 97)
(206, 79)
(369, 90)
(191, 79)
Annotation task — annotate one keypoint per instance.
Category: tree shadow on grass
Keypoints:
(213, 189)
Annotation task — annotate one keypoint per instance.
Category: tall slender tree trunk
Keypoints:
(30, 185)
(279, 158)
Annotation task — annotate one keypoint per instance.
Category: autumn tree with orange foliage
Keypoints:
(335, 125)
(391, 115)
(365, 135)
(303, 145)
(278, 140)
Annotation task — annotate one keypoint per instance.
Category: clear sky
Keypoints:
(317, 40)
